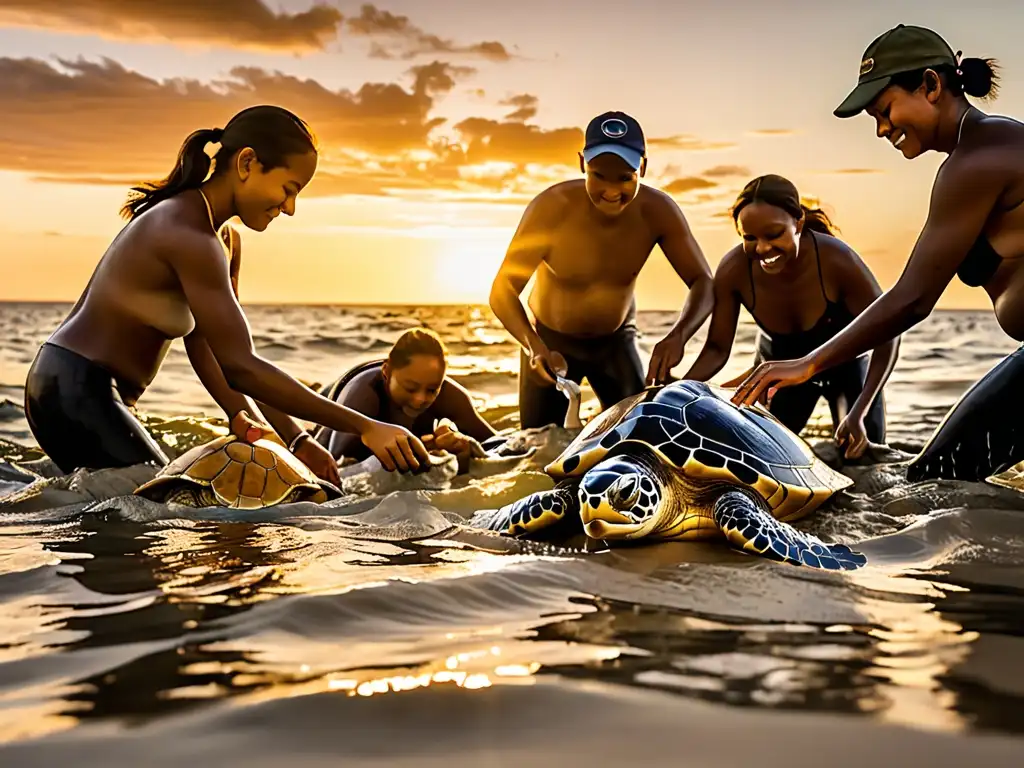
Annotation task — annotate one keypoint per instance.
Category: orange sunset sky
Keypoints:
(439, 120)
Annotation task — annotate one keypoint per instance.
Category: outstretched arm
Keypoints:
(199, 264)
(529, 246)
(860, 289)
(687, 259)
(457, 405)
(722, 331)
(966, 189)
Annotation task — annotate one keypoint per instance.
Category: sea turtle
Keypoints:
(681, 461)
(227, 472)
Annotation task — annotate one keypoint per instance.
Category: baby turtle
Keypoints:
(227, 472)
(680, 461)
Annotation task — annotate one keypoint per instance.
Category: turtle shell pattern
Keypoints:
(240, 475)
(702, 434)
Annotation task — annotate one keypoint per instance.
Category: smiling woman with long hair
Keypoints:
(167, 275)
(802, 285)
(915, 87)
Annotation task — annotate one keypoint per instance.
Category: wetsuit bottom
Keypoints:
(611, 364)
(78, 417)
(793, 406)
(983, 433)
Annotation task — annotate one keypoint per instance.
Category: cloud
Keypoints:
(89, 119)
(97, 122)
(687, 184)
(405, 40)
(512, 141)
(243, 24)
(854, 171)
(525, 107)
(773, 132)
(688, 143)
(727, 171)
(235, 23)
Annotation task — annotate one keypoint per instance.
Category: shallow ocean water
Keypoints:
(380, 630)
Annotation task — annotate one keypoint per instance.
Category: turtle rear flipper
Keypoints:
(539, 511)
(749, 528)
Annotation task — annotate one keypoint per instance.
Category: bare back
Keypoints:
(999, 141)
(133, 306)
(586, 278)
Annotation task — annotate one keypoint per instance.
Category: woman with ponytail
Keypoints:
(172, 272)
(915, 88)
(802, 286)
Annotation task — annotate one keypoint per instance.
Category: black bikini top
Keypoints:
(980, 263)
(798, 343)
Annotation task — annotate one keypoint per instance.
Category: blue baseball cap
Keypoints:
(616, 133)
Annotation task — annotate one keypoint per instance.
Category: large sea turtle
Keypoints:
(680, 461)
(230, 473)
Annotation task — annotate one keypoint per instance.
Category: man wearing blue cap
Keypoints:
(586, 241)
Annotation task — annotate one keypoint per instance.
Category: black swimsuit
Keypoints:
(611, 364)
(793, 405)
(75, 411)
(983, 433)
(424, 424)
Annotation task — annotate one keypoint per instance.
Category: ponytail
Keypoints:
(817, 220)
(190, 171)
(272, 132)
(974, 77)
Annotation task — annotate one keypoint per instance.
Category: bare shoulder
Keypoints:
(732, 267)
(551, 203)
(175, 231)
(991, 152)
(659, 207)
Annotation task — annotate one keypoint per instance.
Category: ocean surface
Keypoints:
(379, 630)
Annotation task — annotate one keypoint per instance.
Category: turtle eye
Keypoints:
(623, 494)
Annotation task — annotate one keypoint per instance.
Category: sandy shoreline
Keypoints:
(551, 722)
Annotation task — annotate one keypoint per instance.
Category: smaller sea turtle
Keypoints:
(681, 461)
(227, 472)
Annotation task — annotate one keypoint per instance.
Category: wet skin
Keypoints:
(167, 275)
(977, 190)
(587, 241)
(787, 298)
(418, 389)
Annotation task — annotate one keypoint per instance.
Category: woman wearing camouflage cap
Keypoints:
(915, 87)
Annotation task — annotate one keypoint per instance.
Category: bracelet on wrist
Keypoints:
(298, 439)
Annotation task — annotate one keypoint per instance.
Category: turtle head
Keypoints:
(621, 498)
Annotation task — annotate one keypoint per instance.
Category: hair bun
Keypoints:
(216, 134)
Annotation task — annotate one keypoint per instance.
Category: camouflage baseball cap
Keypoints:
(902, 49)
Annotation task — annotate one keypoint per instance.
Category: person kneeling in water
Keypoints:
(915, 87)
(410, 389)
(167, 275)
(779, 233)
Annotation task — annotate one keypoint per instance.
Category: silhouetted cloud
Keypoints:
(688, 142)
(687, 184)
(91, 118)
(89, 122)
(510, 141)
(727, 171)
(405, 40)
(525, 107)
(250, 24)
(235, 23)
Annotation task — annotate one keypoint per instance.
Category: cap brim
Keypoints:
(631, 156)
(861, 97)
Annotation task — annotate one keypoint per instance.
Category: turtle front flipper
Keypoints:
(537, 512)
(750, 528)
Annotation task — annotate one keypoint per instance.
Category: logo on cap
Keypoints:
(614, 128)
(866, 66)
